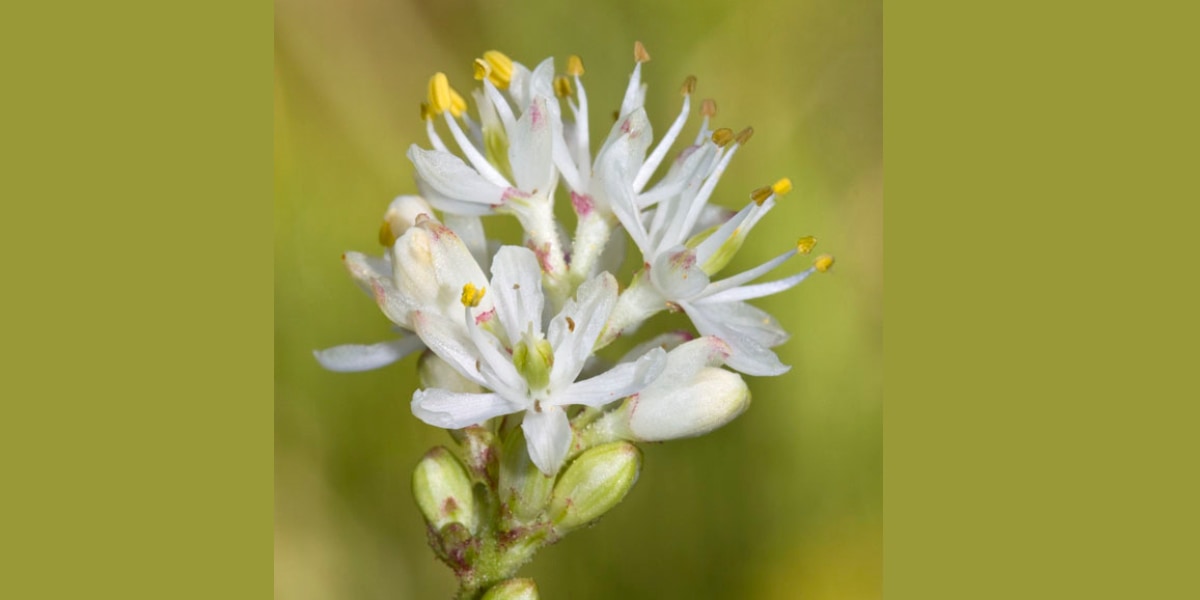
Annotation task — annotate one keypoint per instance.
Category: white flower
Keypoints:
(424, 268)
(505, 350)
(662, 223)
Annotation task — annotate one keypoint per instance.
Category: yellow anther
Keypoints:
(722, 136)
(574, 66)
(782, 186)
(689, 86)
(386, 238)
(708, 108)
(761, 194)
(500, 70)
(562, 86)
(805, 245)
(823, 263)
(743, 136)
(458, 106)
(482, 69)
(426, 113)
(439, 93)
(639, 53)
(471, 295)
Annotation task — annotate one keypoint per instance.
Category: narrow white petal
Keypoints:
(351, 358)
(455, 410)
(470, 230)
(474, 156)
(449, 176)
(664, 144)
(448, 341)
(758, 290)
(616, 383)
(530, 148)
(633, 91)
(517, 283)
(548, 435)
(748, 275)
(573, 332)
(495, 365)
(747, 355)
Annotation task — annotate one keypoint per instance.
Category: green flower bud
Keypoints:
(513, 589)
(594, 483)
(524, 489)
(533, 363)
(443, 490)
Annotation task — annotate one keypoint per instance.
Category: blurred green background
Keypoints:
(785, 502)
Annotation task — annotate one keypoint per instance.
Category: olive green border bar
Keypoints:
(1041, 158)
(137, 393)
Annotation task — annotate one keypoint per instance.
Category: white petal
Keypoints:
(529, 149)
(517, 283)
(748, 355)
(455, 410)
(449, 176)
(446, 338)
(548, 435)
(470, 230)
(685, 361)
(351, 358)
(667, 341)
(588, 313)
(616, 383)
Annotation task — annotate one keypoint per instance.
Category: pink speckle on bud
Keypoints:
(582, 203)
(543, 254)
(535, 114)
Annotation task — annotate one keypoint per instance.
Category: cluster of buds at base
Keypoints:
(509, 334)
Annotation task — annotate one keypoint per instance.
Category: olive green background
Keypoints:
(783, 503)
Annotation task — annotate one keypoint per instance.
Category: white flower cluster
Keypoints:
(521, 340)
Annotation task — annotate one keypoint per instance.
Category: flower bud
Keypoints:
(524, 489)
(443, 490)
(594, 483)
(437, 373)
(711, 399)
(513, 589)
(400, 216)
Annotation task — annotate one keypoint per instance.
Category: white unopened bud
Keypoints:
(443, 490)
(711, 399)
(513, 589)
(691, 397)
(594, 483)
(400, 216)
(437, 373)
(524, 489)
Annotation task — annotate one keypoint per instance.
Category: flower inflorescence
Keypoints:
(520, 346)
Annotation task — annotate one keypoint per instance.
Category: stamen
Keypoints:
(806, 244)
(439, 93)
(708, 108)
(761, 194)
(471, 295)
(501, 68)
(689, 86)
(743, 136)
(426, 112)
(482, 69)
(782, 186)
(639, 53)
(562, 86)
(574, 66)
(722, 136)
(458, 106)
(823, 263)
